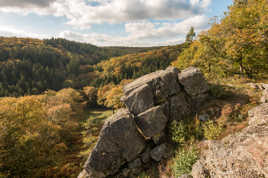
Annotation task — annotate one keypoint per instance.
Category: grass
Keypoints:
(91, 128)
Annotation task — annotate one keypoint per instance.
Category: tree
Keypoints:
(238, 44)
(91, 96)
(190, 35)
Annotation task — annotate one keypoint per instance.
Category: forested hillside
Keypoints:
(111, 75)
(31, 66)
(132, 66)
(237, 44)
(46, 135)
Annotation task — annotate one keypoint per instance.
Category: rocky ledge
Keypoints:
(136, 136)
(241, 155)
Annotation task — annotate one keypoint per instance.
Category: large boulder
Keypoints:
(194, 83)
(151, 101)
(159, 85)
(159, 152)
(180, 107)
(140, 99)
(153, 121)
(119, 142)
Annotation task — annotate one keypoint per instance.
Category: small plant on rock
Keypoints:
(187, 130)
(184, 160)
(179, 132)
(212, 130)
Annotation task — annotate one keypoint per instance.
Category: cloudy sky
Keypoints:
(109, 22)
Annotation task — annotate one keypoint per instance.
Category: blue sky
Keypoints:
(109, 22)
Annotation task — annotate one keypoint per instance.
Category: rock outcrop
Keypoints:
(136, 135)
(264, 88)
(242, 155)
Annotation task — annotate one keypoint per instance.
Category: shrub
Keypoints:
(179, 132)
(184, 161)
(185, 130)
(212, 130)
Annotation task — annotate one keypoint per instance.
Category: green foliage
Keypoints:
(236, 45)
(184, 160)
(185, 130)
(190, 35)
(179, 132)
(135, 65)
(29, 66)
(92, 126)
(212, 130)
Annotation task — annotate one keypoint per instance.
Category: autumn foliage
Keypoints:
(39, 135)
(238, 44)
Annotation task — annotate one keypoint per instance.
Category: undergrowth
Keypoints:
(184, 160)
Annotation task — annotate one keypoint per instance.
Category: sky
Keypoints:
(109, 22)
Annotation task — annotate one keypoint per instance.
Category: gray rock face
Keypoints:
(180, 107)
(145, 157)
(194, 82)
(135, 164)
(163, 83)
(241, 155)
(152, 121)
(140, 99)
(159, 152)
(152, 101)
(119, 142)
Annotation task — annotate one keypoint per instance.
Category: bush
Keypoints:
(185, 130)
(212, 130)
(184, 161)
(179, 132)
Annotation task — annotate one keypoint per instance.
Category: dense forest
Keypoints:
(234, 45)
(31, 66)
(45, 135)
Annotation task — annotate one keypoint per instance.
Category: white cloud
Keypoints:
(134, 14)
(10, 31)
(82, 14)
(147, 30)
(26, 3)
(143, 33)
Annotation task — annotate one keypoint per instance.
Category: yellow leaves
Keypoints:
(38, 129)
(59, 111)
(109, 95)
(113, 98)
(237, 44)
